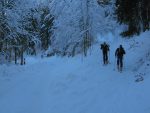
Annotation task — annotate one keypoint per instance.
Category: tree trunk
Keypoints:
(15, 55)
(22, 62)
(86, 23)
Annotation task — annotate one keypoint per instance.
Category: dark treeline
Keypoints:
(135, 14)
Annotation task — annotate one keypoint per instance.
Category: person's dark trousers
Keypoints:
(120, 62)
(105, 57)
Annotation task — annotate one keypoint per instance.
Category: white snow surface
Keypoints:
(80, 85)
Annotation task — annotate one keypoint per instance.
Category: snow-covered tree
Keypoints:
(67, 27)
(46, 25)
(77, 23)
(19, 25)
(7, 29)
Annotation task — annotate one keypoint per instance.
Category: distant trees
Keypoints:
(21, 29)
(135, 14)
(65, 27)
(7, 29)
(46, 27)
(77, 24)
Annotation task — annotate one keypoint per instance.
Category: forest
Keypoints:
(65, 27)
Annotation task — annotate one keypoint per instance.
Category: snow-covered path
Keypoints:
(72, 85)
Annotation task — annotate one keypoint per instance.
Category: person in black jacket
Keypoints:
(105, 49)
(119, 54)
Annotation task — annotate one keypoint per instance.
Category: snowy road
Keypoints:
(72, 85)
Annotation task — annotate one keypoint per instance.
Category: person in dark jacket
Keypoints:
(119, 54)
(105, 49)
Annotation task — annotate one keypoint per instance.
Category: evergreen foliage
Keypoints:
(135, 14)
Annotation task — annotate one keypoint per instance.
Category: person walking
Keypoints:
(119, 53)
(105, 49)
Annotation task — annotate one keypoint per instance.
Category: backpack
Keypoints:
(105, 47)
(120, 52)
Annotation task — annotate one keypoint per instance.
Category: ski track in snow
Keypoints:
(73, 85)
